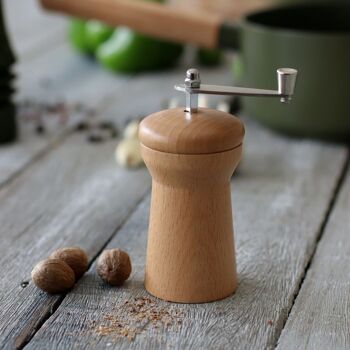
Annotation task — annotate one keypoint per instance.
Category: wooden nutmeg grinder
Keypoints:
(191, 154)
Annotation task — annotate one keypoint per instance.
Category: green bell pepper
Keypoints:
(86, 36)
(76, 35)
(127, 51)
(96, 33)
(121, 49)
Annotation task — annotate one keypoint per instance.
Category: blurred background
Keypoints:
(88, 52)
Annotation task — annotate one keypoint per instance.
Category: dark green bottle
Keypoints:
(8, 129)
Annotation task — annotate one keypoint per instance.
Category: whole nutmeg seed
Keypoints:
(114, 266)
(53, 276)
(75, 257)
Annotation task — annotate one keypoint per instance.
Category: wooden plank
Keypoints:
(63, 75)
(320, 315)
(69, 76)
(14, 158)
(225, 9)
(280, 198)
(25, 21)
(75, 196)
(71, 79)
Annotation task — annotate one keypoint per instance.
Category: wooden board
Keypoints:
(281, 196)
(226, 9)
(75, 196)
(319, 318)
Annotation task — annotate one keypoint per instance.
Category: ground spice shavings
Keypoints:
(134, 317)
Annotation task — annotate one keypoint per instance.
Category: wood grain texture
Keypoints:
(320, 316)
(194, 22)
(190, 249)
(148, 18)
(77, 196)
(226, 9)
(176, 131)
(191, 158)
(14, 158)
(280, 197)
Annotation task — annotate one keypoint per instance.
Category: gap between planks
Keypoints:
(332, 203)
(59, 222)
(320, 316)
(24, 338)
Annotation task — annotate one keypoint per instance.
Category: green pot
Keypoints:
(316, 41)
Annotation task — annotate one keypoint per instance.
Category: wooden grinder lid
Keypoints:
(177, 131)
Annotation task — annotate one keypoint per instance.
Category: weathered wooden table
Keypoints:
(291, 203)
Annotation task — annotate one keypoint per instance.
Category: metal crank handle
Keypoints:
(286, 78)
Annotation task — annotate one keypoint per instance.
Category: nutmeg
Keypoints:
(75, 257)
(53, 276)
(114, 266)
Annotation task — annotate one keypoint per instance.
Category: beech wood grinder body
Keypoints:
(191, 154)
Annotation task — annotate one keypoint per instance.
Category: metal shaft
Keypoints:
(286, 78)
